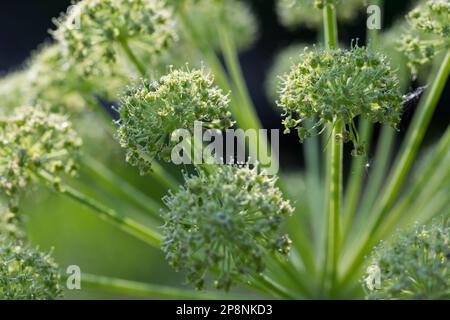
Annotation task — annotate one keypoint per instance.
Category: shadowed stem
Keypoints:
(404, 161)
(126, 224)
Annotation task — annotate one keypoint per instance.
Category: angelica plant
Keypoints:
(337, 86)
(152, 110)
(429, 32)
(414, 266)
(235, 225)
(33, 140)
(25, 273)
(226, 223)
(93, 30)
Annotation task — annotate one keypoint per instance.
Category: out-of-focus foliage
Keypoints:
(294, 13)
(207, 16)
(283, 62)
(92, 30)
(26, 273)
(428, 32)
(32, 139)
(414, 266)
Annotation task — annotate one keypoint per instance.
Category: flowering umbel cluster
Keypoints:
(151, 111)
(26, 273)
(33, 139)
(429, 32)
(415, 266)
(224, 223)
(92, 29)
(339, 85)
(293, 13)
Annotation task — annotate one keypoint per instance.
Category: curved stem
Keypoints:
(126, 224)
(146, 290)
(407, 154)
(119, 184)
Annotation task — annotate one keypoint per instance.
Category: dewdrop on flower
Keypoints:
(429, 32)
(26, 273)
(93, 30)
(223, 224)
(339, 85)
(294, 13)
(413, 266)
(32, 139)
(152, 110)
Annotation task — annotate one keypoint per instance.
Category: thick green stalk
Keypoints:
(330, 26)
(153, 291)
(335, 197)
(128, 225)
(330, 31)
(407, 154)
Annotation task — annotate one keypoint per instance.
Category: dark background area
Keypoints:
(24, 24)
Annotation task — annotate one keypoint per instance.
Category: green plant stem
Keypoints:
(132, 57)
(153, 291)
(330, 26)
(330, 31)
(97, 169)
(335, 196)
(407, 154)
(128, 225)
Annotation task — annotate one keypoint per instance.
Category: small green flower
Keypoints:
(151, 111)
(92, 30)
(414, 266)
(27, 274)
(428, 34)
(32, 139)
(339, 85)
(293, 13)
(225, 223)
